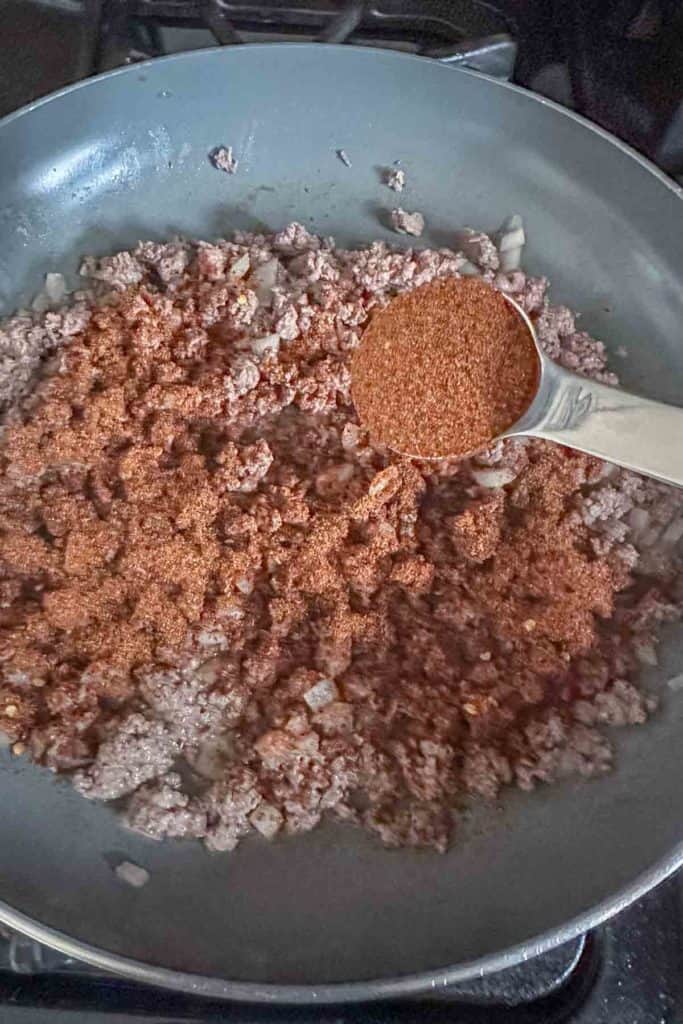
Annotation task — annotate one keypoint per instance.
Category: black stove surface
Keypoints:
(620, 62)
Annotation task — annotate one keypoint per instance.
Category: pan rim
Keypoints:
(373, 52)
(420, 983)
(383, 988)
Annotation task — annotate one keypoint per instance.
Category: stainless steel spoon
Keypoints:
(631, 431)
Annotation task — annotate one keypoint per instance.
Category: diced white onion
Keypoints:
(608, 470)
(638, 519)
(323, 693)
(209, 760)
(673, 532)
(493, 477)
(267, 345)
(132, 874)
(511, 233)
(469, 269)
(267, 820)
(52, 293)
(511, 240)
(676, 683)
(240, 267)
(264, 279)
(510, 260)
(647, 655)
(55, 287)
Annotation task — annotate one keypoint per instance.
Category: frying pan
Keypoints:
(333, 915)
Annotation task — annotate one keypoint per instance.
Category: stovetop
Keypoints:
(619, 62)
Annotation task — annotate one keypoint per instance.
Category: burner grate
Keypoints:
(466, 31)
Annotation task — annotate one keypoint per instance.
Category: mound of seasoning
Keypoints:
(444, 369)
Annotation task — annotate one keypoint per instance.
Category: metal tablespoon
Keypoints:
(634, 432)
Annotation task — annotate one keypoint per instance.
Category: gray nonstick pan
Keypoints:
(333, 915)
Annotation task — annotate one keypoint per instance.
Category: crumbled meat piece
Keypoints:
(161, 809)
(229, 805)
(25, 343)
(479, 249)
(223, 160)
(141, 750)
(168, 261)
(407, 223)
(477, 530)
(118, 272)
(395, 179)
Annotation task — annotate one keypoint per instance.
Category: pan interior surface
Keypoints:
(126, 157)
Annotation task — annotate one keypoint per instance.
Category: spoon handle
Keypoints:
(634, 432)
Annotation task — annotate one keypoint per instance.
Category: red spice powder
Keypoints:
(444, 369)
(201, 558)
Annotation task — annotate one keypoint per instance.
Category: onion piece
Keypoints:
(264, 279)
(511, 240)
(493, 477)
(52, 294)
(324, 692)
(469, 269)
(131, 873)
(267, 345)
(648, 538)
(55, 287)
(510, 260)
(211, 757)
(638, 519)
(267, 820)
(674, 531)
(676, 683)
(240, 267)
(647, 655)
(511, 235)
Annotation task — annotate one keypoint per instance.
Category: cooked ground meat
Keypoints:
(223, 160)
(405, 223)
(221, 604)
(395, 178)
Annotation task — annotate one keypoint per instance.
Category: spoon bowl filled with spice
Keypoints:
(453, 366)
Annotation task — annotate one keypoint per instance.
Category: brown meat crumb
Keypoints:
(206, 564)
(405, 223)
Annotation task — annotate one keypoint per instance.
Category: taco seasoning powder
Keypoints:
(444, 369)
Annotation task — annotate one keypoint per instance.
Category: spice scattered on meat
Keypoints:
(206, 565)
